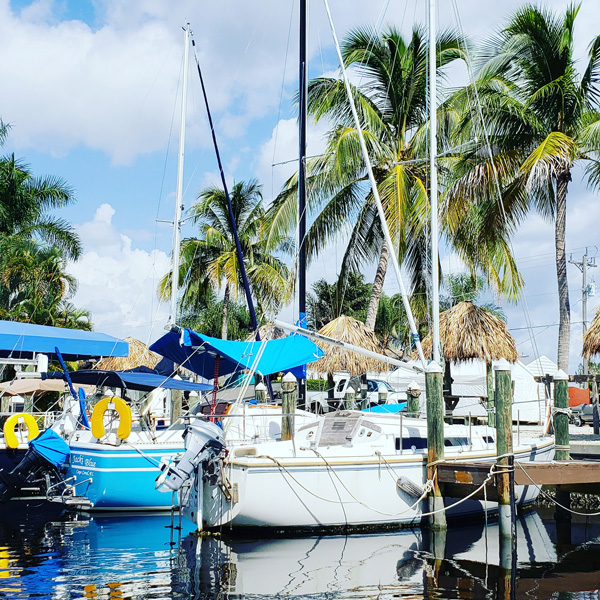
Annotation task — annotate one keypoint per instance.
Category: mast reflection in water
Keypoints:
(69, 557)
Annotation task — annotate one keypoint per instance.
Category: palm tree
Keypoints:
(392, 104)
(541, 118)
(210, 262)
(35, 287)
(25, 202)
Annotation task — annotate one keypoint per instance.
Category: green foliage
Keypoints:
(209, 263)
(326, 303)
(35, 247)
(209, 319)
(316, 385)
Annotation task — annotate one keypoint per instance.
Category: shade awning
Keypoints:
(23, 340)
(19, 387)
(198, 353)
(131, 380)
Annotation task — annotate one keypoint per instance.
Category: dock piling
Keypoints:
(260, 393)
(435, 441)
(561, 417)
(504, 447)
(289, 397)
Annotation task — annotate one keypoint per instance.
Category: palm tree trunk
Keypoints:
(225, 313)
(564, 326)
(377, 287)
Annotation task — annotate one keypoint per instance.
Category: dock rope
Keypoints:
(429, 486)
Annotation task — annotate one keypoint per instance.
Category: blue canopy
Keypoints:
(22, 340)
(198, 353)
(387, 408)
(146, 380)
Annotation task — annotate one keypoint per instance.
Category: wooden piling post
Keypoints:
(435, 440)
(561, 418)
(260, 393)
(489, 377)
(504, 446)
(412, 394)
(289, 397)
(176, 405)
(350, 398)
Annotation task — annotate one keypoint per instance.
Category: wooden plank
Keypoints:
(550, 473)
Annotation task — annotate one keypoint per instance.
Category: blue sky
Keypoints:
(91, 92)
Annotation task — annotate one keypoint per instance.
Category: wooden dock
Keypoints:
(459, 479)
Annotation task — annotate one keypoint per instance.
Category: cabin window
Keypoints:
(419, 443)
(456, 442)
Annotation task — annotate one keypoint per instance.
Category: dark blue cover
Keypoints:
(22, 340)
(198, 353)
(52, 447)
(132, 380)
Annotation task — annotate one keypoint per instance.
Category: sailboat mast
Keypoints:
(302, 95)
(433, 201)
(373, 182)
(179, 190)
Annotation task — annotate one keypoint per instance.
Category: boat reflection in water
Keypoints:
(143, 557)
(463, 563)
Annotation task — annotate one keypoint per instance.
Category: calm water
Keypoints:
(62, 557)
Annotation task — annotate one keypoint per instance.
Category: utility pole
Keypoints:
(585, 291)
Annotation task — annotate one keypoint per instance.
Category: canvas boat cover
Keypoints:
(198, 353)
(23, 340)
(144, 380)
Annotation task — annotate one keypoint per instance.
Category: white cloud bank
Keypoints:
(118, 282)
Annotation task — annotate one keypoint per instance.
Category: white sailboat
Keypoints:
(343, 470)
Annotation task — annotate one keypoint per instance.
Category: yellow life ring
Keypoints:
(108, 403)
(19, 419)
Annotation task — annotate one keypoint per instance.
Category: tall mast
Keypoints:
(179, 191)
(302, 95)
(373, 182)
(435, 275)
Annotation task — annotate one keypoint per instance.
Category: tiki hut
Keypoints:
(268, 332)
(468, 332)
(591, 338)
(348, 329)
(139, 355)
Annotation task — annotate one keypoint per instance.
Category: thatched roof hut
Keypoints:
(467, 332)
(139, 355)
(591, 338)
(352, 331)
(268, 332)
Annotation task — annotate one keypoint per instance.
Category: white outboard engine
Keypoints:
(203, 440)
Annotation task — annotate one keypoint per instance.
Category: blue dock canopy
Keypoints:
(198, 353)
(23, 340)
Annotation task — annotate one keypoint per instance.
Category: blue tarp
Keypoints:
(198, 353)
(145, 381)
(387, 408)
(52, 447)
(22, 340)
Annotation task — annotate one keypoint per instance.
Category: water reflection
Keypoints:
(69, 557)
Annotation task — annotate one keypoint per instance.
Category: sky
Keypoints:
(91, 89)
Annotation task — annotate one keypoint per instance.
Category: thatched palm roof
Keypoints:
(467, 332)
(139, 355)
(268, 332)
(348, 329)
(591, 338)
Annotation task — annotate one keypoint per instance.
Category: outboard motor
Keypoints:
(203, 440)
(46, 452)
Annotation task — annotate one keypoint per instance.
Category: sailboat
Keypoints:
(346, 469)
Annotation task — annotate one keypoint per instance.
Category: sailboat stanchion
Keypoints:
(504, 445)
(288, 405)
(435, 441)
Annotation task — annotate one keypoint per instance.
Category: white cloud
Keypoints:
(117, 282)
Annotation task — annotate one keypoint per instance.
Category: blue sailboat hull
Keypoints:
(120, 478)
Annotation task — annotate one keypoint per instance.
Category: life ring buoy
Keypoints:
(114, 403)
(19, 419)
